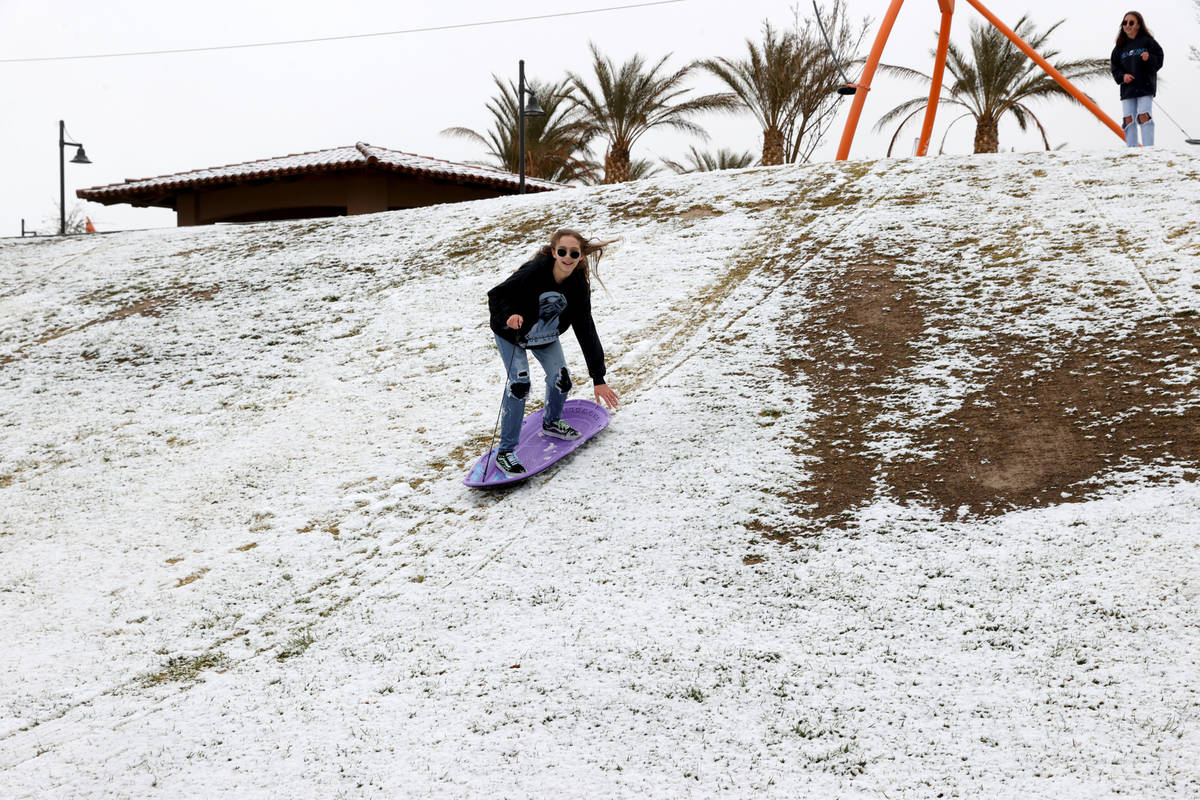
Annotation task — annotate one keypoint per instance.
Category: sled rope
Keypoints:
(496, 427)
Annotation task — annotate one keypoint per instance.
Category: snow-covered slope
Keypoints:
(902, 499)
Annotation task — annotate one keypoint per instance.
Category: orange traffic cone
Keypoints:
(90, 228)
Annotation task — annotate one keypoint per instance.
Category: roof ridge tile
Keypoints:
(360, 154)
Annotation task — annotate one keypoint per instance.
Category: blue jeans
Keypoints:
(558, 384)
(1132, 107)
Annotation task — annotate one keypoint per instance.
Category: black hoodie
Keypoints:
(1127, 59)
(520, 293)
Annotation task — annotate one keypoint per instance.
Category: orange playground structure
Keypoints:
(861, 88)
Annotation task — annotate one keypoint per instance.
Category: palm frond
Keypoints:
(642, 168)
(900, 110)
(464, 133)
(897, 71)
(704, 161)
(900, 127)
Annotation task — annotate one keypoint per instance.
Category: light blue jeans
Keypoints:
(516, 362)
(1131, 107)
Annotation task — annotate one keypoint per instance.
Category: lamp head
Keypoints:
(80, 157)
(532, 107)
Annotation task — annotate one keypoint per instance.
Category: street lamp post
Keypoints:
(80, 158)
(533, 110)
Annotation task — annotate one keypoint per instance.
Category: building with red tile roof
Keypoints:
(361, 179)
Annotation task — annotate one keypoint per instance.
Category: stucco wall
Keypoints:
(322, 195)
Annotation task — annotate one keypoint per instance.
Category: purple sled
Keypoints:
(537, 452)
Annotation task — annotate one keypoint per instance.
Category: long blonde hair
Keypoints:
(592, 250)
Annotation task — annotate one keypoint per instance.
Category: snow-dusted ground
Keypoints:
(236, 557)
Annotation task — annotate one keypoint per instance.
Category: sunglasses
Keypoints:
(1129, 23)
(562, 253)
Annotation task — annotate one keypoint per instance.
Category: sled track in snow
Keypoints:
(703, 335)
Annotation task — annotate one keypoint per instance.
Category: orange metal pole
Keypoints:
(864, 83)
(935, 89)
(1050, 70)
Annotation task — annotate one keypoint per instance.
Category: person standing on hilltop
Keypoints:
(529, 310)
(1136, 60)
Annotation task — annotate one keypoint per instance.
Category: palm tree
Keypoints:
(630, 100)
(788, 83)
(818, 98)
(996, 80)
(556, 143)
(709, 162)
(767, 83)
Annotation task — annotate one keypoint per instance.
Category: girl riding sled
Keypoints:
(548, 294)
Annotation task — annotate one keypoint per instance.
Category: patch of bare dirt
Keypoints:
(152, 306)
(1043, 434)
(1053, 421)
(699, 212)
(155, 305)
(843, 349)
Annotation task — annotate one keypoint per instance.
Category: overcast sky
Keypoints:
(153, 115)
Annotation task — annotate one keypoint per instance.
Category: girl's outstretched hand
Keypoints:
(605, 396)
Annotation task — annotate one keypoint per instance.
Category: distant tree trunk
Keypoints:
(772, 147)
(531, 170)
(987, 135)
(616, 164)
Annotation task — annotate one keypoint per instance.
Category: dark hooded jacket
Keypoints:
(520, 294)
(1127, 59)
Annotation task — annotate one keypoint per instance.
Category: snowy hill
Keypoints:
(902, 499)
